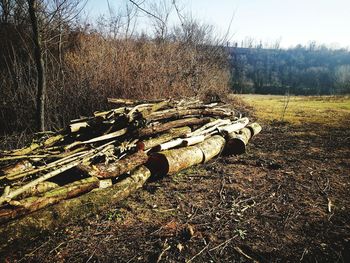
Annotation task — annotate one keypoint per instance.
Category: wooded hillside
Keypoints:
(303, 70)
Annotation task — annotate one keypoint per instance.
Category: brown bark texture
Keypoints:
(172, 124)
(175, 160)
(40, 66)
(71, 210)
(118, 167)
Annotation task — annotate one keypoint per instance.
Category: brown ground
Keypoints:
(287, 199)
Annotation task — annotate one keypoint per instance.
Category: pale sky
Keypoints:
(290, 21)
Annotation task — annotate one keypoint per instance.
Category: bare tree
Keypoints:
(5, 10)
(40, 66)
(162, 10)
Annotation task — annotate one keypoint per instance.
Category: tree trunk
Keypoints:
(117, 168)
(54, 196)
(211, 147)
(40, 67)
(173, 161)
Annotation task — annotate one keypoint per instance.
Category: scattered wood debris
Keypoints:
(150, 137)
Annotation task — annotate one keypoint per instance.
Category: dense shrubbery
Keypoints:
(139, 68)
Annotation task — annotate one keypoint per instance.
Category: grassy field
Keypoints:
(329, 110)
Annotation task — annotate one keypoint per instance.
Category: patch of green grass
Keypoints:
(329, 110)
(115, 215)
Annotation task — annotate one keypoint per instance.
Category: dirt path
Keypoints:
(287, 199)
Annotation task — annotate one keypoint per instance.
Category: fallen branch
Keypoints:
(91, 153)
(34, 203)
(171, 134)
(235, 126)
(176, 113)
(98, 139)
(68, 159)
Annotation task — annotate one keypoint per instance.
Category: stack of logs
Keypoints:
(121, 146)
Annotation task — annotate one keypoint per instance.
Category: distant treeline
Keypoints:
(303, 70)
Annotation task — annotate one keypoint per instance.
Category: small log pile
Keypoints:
(118, 148)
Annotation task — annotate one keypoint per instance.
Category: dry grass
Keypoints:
(327, 110)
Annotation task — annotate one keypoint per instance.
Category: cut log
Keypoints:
(168, 145)
(176, 113)
(34, 203)
(108, 136)
(26, 150)
(90, 154)
(81, 119)
(20, 174)
(110, 113)
(149, 131)
(121, 101)
(105, 183)
(209, 127)
(21, 157)
(72, 210)
(237, 141)
(53, 140)
(173, 161)
(34, 146)
(179, 142)
(155, 107)
(38, 189)
(235, 126)
(171, 134)
(193, 140)
(211, 147)
(20, 167)
(139, 108)
(117, 168)
(255, 128)
(75, 127)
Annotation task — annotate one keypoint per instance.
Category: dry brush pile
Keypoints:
(119, 148)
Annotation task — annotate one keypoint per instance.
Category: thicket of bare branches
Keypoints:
(85, 64)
